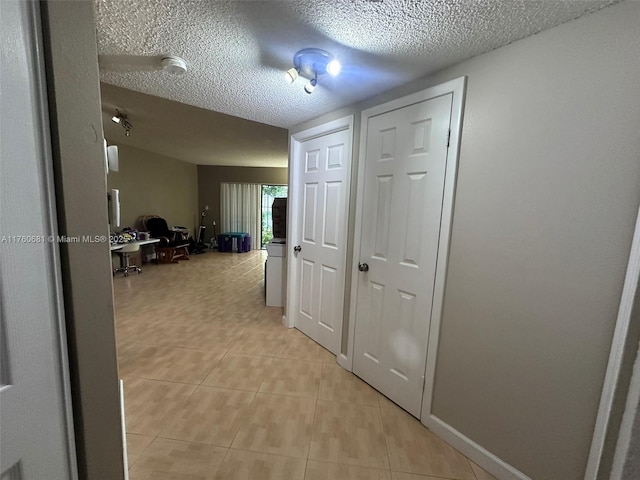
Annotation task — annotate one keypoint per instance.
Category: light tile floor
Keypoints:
(217, 389)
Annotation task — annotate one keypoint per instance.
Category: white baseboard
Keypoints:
(344, 362)
(480, 455)
(125, 456)
(285, 322)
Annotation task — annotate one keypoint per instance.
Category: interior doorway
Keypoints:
(269, 192)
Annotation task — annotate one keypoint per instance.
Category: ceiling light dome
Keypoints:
(173, 64)
(312, 62)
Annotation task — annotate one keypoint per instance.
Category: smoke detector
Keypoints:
(175, 65)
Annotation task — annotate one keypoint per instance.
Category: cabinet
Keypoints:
(276, 274)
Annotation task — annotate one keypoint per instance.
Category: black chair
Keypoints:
(158, 228)
(173, 245)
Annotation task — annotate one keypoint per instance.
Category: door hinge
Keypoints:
(449, 138)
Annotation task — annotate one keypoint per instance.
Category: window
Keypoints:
(269, 192)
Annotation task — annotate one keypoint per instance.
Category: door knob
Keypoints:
(297, 248)
(363, 267)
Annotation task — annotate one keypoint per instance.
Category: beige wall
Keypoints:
(151, 184)
(210, 177)
(72, 81)
(540, 240)
(546, 201)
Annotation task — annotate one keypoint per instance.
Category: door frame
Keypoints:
(457, 88)
(614, 380)
(31, 32)
(293, 209)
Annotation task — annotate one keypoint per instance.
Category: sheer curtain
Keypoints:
(240, 209)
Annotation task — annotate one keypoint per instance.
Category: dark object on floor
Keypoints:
(198, 246)
(243, 242)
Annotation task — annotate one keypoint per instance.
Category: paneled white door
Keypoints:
(36, 434)
(405, 165)
(319, 245)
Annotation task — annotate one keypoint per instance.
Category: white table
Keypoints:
(117, 246)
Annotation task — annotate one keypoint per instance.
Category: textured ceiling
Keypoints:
(192, 134)
(237, 51)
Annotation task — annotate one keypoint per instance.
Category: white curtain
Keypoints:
(240, 206)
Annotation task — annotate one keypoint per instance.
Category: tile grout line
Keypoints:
(386, 438)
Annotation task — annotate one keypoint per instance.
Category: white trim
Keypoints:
(293, 210)
(125, 453)
(628, 421)
(615, 356)
(475, 452)
(50, 228)
(346, 361)
(458, 89)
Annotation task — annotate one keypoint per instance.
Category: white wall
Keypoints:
(547, 195)
(545, 209)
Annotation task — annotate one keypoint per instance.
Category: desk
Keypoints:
(117, 246)
(124, 260)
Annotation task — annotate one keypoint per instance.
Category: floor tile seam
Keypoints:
(228, 388)
(160, 380)
(173, 439)
(247, 450)
(168, 345)
(221, 463)
(313, 427)
(229, 353)
(251, 354)
(345, 402)
(427, 475)
(205, 350)
(353, 465)
(195, 443)
(288, 395)
(306, 466)
(129, 465)
(470, 466)
(386, 437)
(211, 370)
(172, 324)
(361, 465)
(301, 360)
(263, 452)
(249, 409)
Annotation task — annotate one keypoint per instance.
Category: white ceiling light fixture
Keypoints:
(312, 62)
(173, 64)
(122, 119)
(291, 75)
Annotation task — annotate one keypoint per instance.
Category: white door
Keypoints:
(405, 164)
(36, 435)
(318, 248)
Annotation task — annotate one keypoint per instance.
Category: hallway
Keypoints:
(217, 389)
